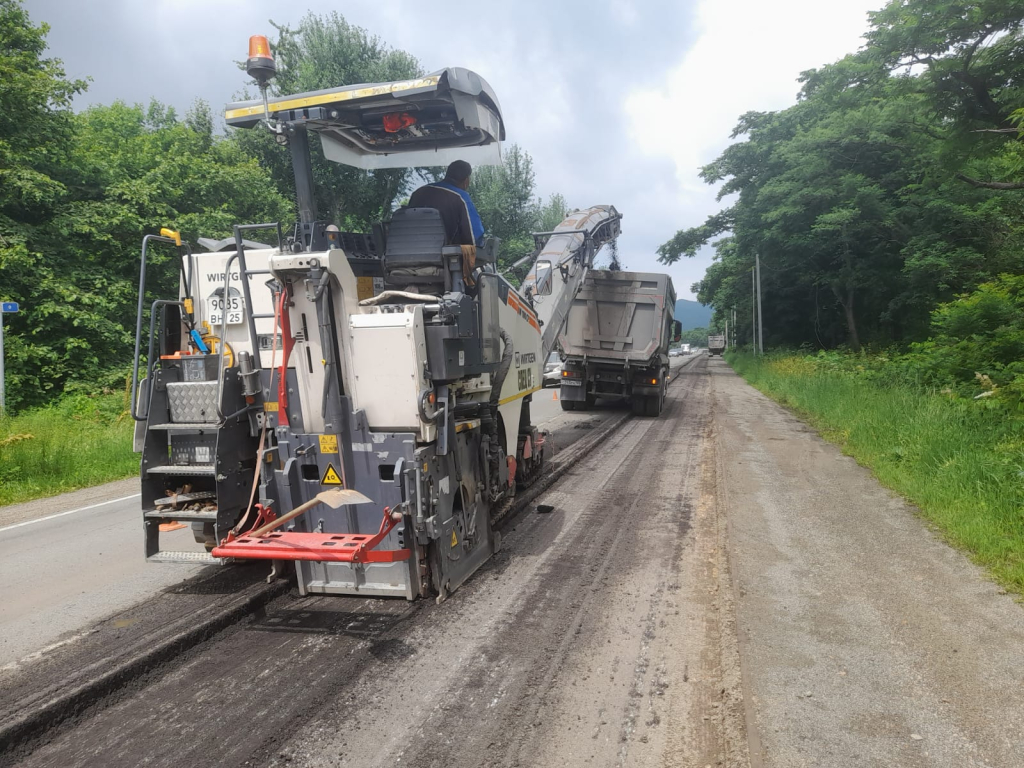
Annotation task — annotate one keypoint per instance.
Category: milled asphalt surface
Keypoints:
(64, 573)
(717, 587)
(85, 562)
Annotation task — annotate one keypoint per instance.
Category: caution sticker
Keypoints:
(455, 539)
(331, 476)
(364, 288)
(328, 443)
(270, 407)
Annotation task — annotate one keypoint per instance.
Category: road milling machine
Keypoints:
(356, 404)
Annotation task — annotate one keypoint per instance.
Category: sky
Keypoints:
(617, 102)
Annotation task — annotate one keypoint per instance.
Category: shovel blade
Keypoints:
(339, 497)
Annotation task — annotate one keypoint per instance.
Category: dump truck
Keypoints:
(616, 340)
(352, 405)
(716, 344)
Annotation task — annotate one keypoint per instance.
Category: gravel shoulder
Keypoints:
(867, 641)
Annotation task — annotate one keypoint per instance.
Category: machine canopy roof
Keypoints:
(451, 114)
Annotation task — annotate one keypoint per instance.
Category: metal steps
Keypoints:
(183, 469)
(205, 517)
(195, 558)
(185, 426)
(184, 498)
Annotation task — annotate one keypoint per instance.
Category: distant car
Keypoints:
(675, 352)
(553, 370)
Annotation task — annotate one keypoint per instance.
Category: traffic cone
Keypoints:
(554, 394)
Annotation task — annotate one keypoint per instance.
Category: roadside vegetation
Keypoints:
(958, 458)
(79, 441)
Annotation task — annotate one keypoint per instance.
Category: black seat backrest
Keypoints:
(413, 254)
(415, 238)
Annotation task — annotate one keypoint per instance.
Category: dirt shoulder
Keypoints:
(865, 640)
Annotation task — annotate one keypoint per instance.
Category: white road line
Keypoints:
(43, 651)
(69, 512)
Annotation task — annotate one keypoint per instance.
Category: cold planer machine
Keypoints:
(367, 417)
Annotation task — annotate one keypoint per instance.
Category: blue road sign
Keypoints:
(9, 306)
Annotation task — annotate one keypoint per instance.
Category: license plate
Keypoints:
(571, 383)
(215, 306)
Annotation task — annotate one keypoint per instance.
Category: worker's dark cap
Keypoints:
(458, 171)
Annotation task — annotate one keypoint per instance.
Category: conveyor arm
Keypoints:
(569, 250)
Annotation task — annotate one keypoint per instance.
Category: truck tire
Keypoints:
(654, 405)
(568, 405)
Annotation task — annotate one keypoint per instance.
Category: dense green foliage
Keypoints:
(959, 460)
(695, 337)
(887, 190)
(77, 194)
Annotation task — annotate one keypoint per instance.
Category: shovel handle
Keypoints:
(278, 522)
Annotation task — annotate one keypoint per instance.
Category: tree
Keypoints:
(854, 196)
(127, 172)
(35, 126)
(552, 213)
(504, 196)
(968, 57)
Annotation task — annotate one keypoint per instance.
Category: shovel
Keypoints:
(334, 498)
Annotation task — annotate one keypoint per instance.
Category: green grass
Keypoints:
(78, 442)
(959, 460)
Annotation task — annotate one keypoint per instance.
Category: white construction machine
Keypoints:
(356, 404)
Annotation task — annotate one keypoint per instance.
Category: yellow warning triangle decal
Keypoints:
(455, 539)
(331, 476)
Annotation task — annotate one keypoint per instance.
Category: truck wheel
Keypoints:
(654, 405)
(568, 405)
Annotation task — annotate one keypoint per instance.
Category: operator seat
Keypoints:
(416, 256)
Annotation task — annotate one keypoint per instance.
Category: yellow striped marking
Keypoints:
(516, 397)
(329, 98)
(462, 426)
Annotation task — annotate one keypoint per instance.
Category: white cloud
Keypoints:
(747, 57)
(689, 68)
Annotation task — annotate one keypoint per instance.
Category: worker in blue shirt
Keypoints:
(450, 197)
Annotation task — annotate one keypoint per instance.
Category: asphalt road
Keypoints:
(716, 587)
(64, 571)
(71, 560)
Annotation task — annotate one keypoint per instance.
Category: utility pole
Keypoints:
(760, 322)
(7, 307)
(753, 311)
(3, 395)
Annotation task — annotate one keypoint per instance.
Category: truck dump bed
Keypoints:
(620, 316)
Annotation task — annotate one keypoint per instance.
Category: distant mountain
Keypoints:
(692, 314)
